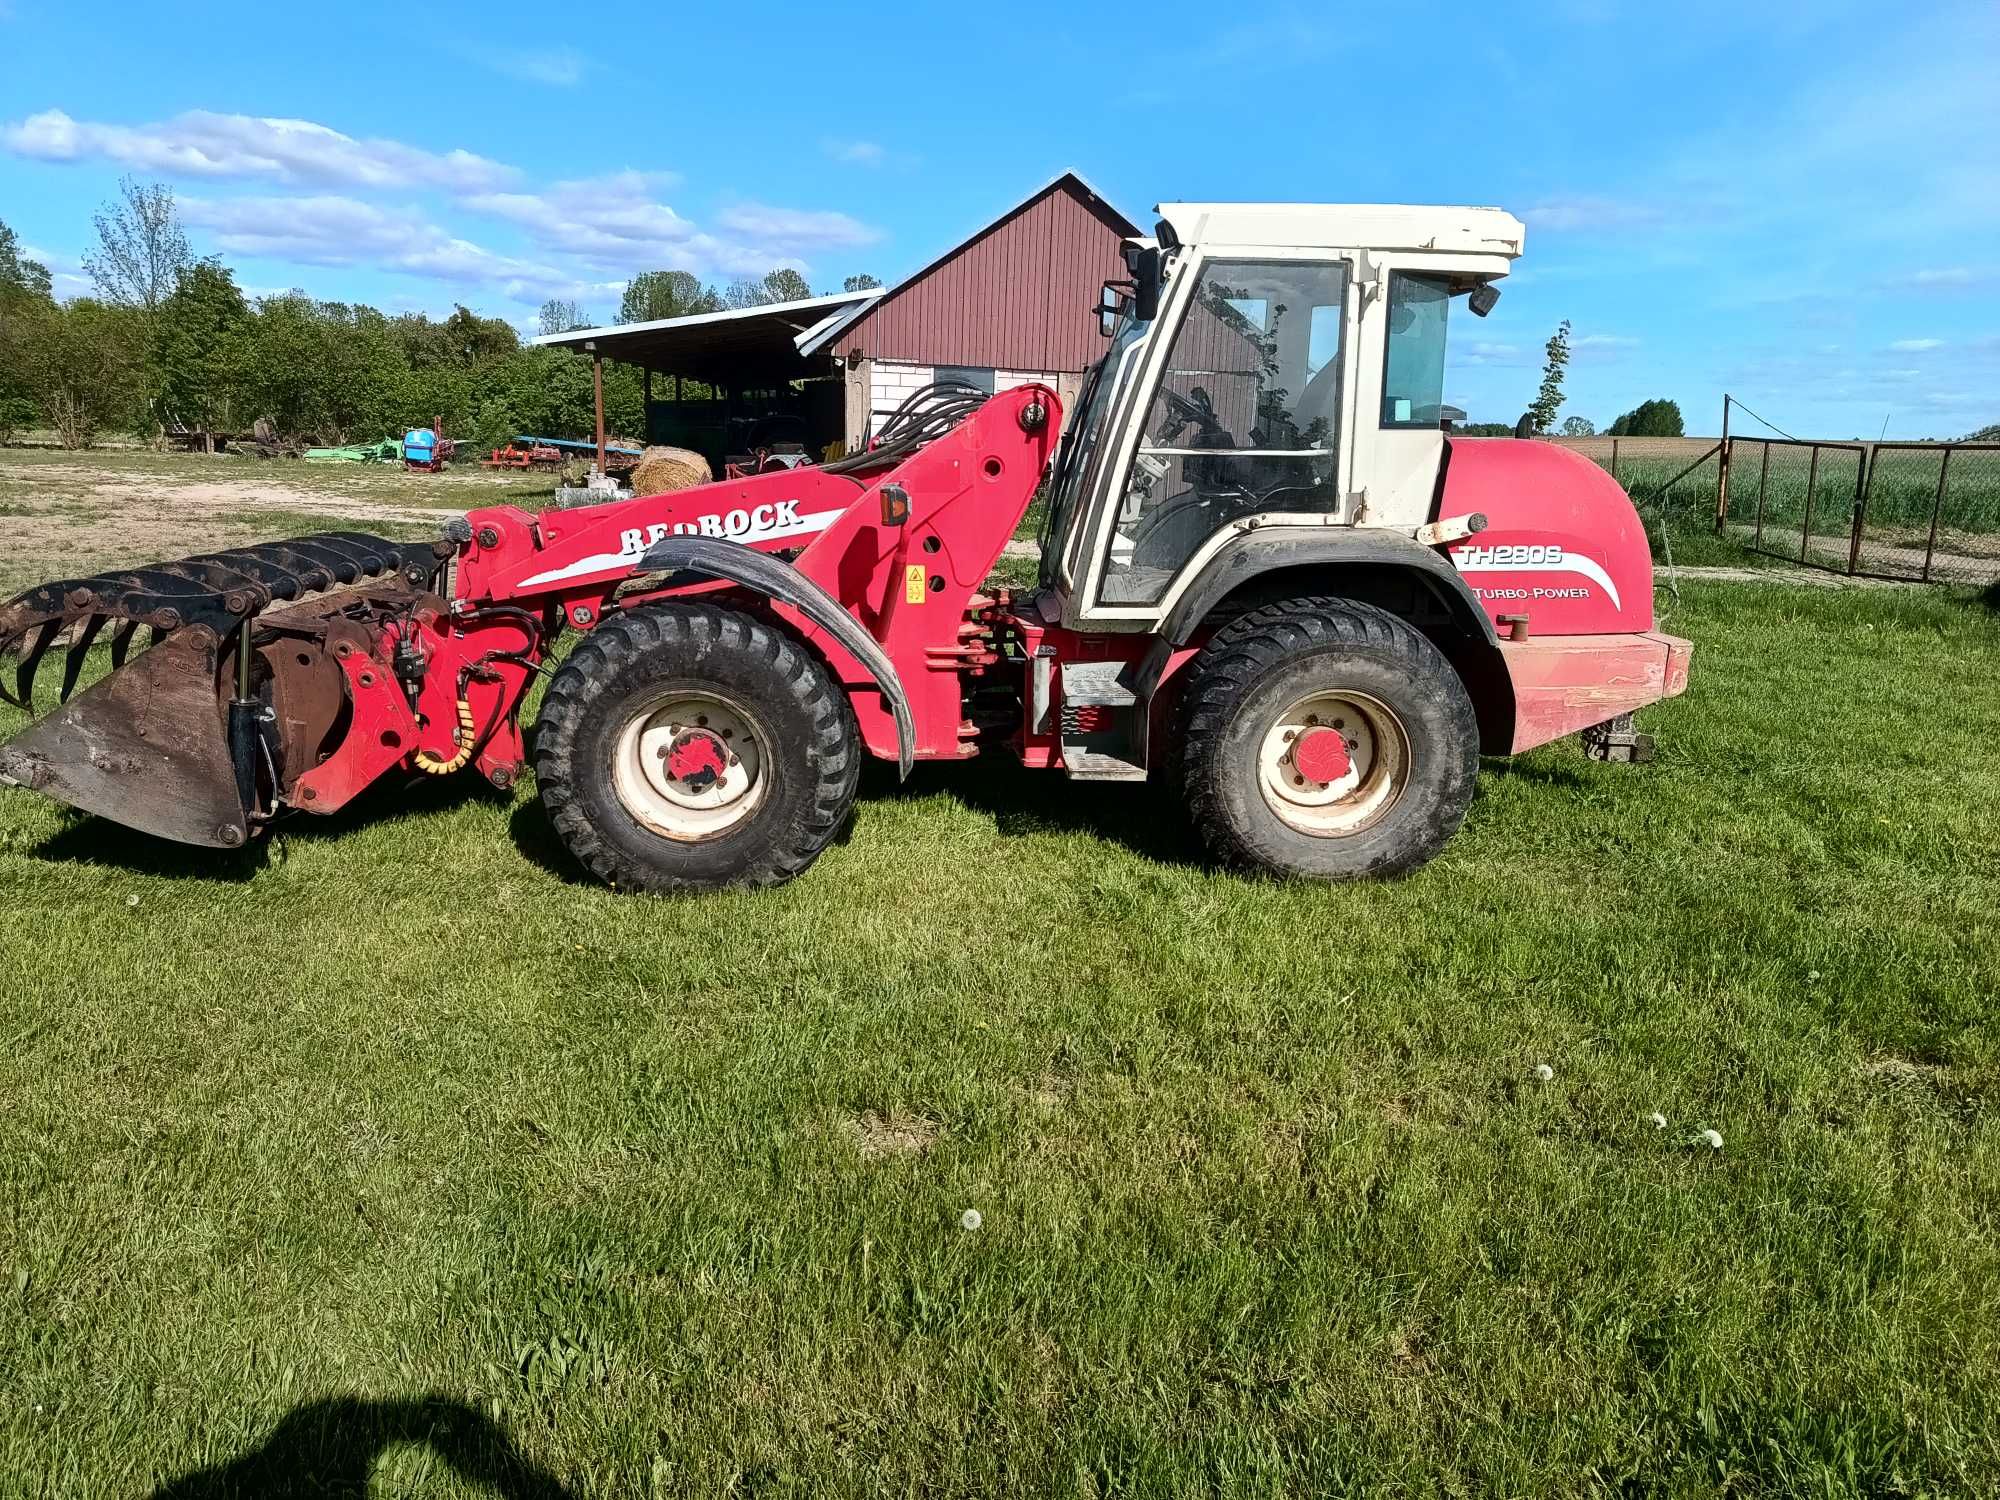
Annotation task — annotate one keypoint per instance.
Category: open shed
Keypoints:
(760, 387)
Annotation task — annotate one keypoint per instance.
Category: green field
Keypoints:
(399, 1149)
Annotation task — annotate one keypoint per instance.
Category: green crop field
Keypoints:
(396, 1151)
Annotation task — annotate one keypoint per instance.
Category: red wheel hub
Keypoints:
(697, 759)
(1321, 755)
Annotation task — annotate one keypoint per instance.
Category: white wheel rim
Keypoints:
(718, 739)
(1377, 755)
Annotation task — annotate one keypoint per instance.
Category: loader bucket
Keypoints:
(172, 742)
(145, 747)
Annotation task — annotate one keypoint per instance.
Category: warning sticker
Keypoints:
(913, 585)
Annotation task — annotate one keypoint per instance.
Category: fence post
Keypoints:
(1864, 478)
(1614, 458)
(1937, 508)
(1763, 474)
(1812, 484)
(1722, 474)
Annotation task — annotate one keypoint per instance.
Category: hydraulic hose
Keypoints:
(462, 740)
(465, 738)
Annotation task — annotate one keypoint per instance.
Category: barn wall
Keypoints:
(1018, 297)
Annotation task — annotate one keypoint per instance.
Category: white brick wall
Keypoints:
(892, 383)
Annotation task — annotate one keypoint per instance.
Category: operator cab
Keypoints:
(1269, 364)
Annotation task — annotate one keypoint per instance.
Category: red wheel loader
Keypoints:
(1269, 579)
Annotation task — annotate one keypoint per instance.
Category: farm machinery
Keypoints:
(1269, 581)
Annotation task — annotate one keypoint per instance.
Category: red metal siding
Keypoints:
(1017, 297)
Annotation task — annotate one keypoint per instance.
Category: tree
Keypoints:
(1549, 399)
(786, 285)
(198, 351)
(1656, 418)
(474, 340)
(782, 285)
(19, 276)
(653, 295)
(559, 315)
(1578, 427)
(1987, 434)
(24, 293)
(859, 283)
(141, 249)
(80, 359)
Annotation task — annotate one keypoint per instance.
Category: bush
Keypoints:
(1656, 418)
(78, 359)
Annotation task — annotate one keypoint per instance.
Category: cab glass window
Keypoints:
(1244, 419)
(1413, 375)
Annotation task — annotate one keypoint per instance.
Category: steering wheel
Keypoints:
(1194, 407)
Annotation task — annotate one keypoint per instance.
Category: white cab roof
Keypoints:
(1365, 226)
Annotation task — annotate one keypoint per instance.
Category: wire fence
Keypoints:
(1923, 512)
(1928, 512)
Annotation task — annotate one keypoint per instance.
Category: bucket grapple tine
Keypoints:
(79, 648)
(31, 661)
(121, 643)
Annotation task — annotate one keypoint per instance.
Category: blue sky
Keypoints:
(1796, 203)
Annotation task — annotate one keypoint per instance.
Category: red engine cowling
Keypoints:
(1562, 543)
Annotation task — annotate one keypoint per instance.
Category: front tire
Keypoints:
(1324, 738)
(684, 747)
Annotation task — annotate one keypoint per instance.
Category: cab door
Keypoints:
(1239, 413)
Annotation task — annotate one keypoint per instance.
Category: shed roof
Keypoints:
(741, 345)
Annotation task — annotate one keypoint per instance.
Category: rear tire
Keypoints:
(684, 747)
(1394, 743)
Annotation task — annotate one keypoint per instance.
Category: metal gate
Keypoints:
(1927, 512)
(1932, 513)
(1807, 499)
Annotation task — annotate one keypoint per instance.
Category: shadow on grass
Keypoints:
(1557, 773)
(1025, 803)
(88, 840)
(1022, 804)
(328, 1449)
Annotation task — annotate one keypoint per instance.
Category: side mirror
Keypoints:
(1110, 303)
(1146, 293)
(1482, 298)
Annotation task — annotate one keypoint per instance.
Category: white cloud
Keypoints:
(580, 233)
(1490, 354)
(1600, 348)
(329, 230)
(855, 153)
(1945, 276)
(794, 230)
(1290, 35)
(1916, 346)
(616, 224)
(1586, 212)
(207, 145)
(560, 67)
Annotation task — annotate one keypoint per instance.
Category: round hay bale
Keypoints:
(663, 470)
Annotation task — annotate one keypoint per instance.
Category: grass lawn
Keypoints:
(402, 1150)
